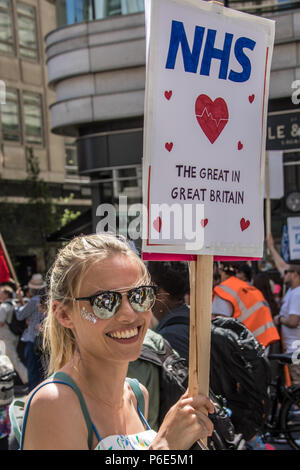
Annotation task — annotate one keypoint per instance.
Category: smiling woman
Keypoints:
(100, 300)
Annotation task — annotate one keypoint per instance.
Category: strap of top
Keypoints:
(134, 384)
(65, 380)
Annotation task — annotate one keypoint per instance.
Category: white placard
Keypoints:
(207, 85)
(294, 237)
(276, 174)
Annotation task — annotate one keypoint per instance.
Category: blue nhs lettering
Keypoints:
(191, 58)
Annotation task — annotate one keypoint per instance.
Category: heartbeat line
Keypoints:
(209, 115)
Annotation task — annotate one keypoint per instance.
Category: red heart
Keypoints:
(168, 94)
(240, 145)
(204, 222)
(244, 224)
(212, 116)
(157, 224)
(251, 98)
(169, 146)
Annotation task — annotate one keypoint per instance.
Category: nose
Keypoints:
(126, 314)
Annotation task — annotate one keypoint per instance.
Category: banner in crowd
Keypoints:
(294, 237)
(207, 82)
(4, 270)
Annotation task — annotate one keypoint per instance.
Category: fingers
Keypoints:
(198, 402)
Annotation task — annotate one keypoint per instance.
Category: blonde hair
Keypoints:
(64, 280)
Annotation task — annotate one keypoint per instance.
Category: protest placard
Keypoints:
(205, 128)
(207, 82)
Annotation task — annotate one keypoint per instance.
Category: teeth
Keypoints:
(124, 334)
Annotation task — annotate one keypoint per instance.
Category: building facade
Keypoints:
(25, 131)
(96, 65)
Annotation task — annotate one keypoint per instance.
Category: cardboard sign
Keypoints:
(207, 81)
(294, 237)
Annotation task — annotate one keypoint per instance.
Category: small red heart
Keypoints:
(204, 222)
(169, 146)
(240, 145)
(168, 94)
(157, 224)
(244, 224)
(251, 98)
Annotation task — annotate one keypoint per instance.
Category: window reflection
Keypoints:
(76, 11)
(6, 27)
(27, 31)
(33, 118)
(10, 117)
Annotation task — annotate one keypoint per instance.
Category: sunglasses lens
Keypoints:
(106, 304)
(142, 298)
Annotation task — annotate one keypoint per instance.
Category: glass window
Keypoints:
(10, 117)
(33, 118)
(27, 31)
(71, 156)
(6, 27)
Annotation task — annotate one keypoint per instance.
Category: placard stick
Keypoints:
(201, 278)
(204, 280)
(7, 258)
(193, 353)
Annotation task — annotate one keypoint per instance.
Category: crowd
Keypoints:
(77, 341)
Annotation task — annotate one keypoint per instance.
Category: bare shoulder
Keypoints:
(53, 415)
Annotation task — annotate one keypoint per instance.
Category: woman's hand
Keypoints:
(184, 424)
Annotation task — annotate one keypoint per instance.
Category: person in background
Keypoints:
(10, 339)
(170, 309)
(289, 316)
(235, 298)
(30, 312)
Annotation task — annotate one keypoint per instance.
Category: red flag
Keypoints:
(4, 271)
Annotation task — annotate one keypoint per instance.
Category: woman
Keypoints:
(100, 300)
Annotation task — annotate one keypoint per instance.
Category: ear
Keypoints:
(63, 314)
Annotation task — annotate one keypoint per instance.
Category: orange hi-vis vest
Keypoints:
(250, 307)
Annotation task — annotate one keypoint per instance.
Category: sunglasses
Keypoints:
(106, 304)
(288, 271)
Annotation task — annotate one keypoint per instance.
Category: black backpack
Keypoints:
(173, 380)
(240, 373)
(16, 326)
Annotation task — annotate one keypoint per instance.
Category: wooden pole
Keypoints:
(7, 258)
(201, 279)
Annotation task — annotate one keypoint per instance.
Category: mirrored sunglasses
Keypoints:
(106, 304)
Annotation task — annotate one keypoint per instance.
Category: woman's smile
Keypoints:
(128, 335)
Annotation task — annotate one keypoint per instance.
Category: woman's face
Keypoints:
(121, 336)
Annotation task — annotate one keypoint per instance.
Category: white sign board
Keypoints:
(207, 81)
(294, 237)
(276, 178)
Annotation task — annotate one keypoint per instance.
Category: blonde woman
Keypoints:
(100, 299)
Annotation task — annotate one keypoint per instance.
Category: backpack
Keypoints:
(173, 378)
(7, 375)
(173, 375)
(240, 372)
(16, 326)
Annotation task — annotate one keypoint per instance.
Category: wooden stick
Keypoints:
(11, 268)
(193, 353)
(201, 279)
